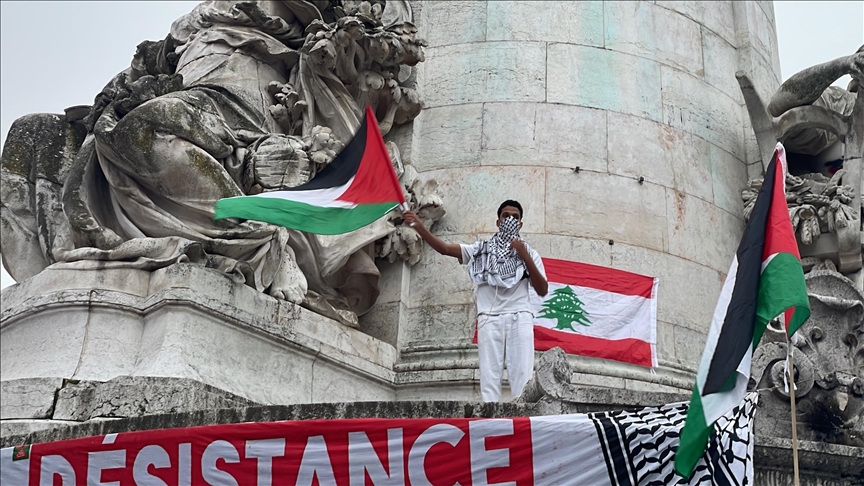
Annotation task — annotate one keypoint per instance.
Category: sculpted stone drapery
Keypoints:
(822, 127)
(239, 98)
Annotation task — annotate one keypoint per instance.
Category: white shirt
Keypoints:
(498, 300)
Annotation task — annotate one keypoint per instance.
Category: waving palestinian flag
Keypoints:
(765, 280)
(358, 187)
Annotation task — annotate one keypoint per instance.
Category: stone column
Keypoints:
(621, 129)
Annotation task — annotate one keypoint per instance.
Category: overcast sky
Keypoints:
(59, 54)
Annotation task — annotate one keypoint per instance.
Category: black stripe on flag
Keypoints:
(610, 438)
(736, 335)
(343, 167)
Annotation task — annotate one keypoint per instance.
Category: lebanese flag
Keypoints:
(598, 312)
(357, 188)
(764, 281)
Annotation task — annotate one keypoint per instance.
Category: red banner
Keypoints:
(611, 448)
(325, 452)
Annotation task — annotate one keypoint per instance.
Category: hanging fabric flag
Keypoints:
(358, 187)
(597, 311)
(620, 448)
(765, 280)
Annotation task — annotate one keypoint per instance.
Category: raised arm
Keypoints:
(806, 86)
(437, 244)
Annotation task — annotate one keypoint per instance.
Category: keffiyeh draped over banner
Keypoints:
(610, 448)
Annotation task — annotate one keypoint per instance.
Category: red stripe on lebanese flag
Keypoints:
(596, 277)
(598, 312)
(626, 350)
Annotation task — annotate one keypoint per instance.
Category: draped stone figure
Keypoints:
(239, 98)
(822, 128)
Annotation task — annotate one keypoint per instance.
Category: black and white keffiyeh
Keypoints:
(494, 262)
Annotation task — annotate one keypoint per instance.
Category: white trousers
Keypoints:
(505, 338)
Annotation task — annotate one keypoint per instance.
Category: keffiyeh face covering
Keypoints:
(495, 263)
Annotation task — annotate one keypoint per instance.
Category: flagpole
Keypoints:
(794, 414)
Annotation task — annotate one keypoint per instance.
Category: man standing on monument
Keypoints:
(501, 268)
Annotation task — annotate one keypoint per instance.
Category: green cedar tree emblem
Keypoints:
(565, 307)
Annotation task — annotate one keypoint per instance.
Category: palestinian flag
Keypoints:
(358, 187)
(765, 280)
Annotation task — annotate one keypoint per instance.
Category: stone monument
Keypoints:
(620, 127)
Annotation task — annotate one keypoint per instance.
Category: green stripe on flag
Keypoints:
(302, 216)
(694, 437)
(781, 286)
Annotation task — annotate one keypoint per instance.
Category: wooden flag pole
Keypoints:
(794, 415)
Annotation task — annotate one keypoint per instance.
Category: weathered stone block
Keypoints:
(605, 206)
(598, 380)
(43, 345)
(126, 280)
(665, 342)
(687, 292)
(702, 232)
(715, 16)
(697, 107)
(447, 136)
(546, 21)
(464, 391)
(642, 386)
(382, 322)
(586, 250)
(495, 71)
(754, 28)
(765, 78)
(730, 178)
(474, 194)
(439, 279)
(135, 396)
(225, 290)
(441, 325)
(331, 384)
(646, 30)
(636, 149)
(690, 159)
(110, 344)
(721, 64)
(392, 274)
(544, 134)
(689, 345)
(28, 398)
(659, 153)
(11, 428)
(445, 23)
(599, 78)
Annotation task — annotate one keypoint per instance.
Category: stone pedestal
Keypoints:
(168, 332)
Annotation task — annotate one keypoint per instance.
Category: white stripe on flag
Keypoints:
(325, 198)
(612, 315)
(577, 456)
(717, 404)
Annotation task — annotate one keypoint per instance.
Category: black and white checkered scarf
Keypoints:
(495, 263)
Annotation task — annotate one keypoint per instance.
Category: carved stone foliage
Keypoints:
(828, 354)
(822, 128)
(240, 98)
(818, 206)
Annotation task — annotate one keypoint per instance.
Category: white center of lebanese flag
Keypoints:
(597, 311)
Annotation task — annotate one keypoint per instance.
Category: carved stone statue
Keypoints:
(822, 129)
(829, 367)
(241, 97)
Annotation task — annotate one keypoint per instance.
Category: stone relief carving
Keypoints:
(817, 205)
(241, 97)
(828, 354)
(822, 128)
